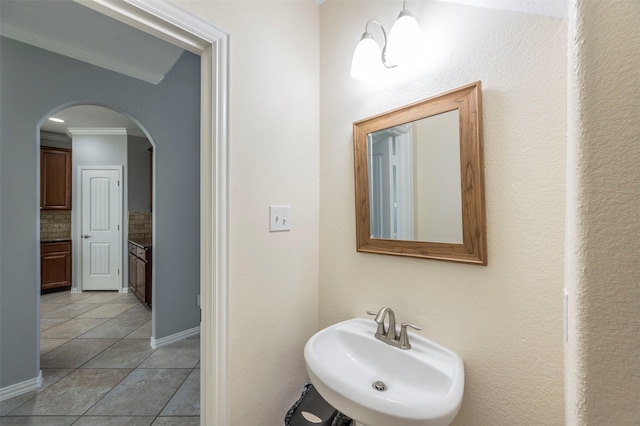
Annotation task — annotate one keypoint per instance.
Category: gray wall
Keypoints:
(139, 174)
(34, 85)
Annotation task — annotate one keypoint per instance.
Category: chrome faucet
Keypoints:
(390, 332)
(390, 335)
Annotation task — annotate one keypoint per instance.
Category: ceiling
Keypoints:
(554, 8)
(73, 30)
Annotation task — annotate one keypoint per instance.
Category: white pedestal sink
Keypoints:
(377, 384)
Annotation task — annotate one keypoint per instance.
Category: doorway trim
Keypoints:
(174, 25)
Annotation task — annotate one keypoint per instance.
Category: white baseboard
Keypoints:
(77, 290)
(20, 388)
(164, 341)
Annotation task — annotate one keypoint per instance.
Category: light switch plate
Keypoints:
(279, 218)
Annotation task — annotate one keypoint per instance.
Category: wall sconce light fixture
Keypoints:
(399, 49)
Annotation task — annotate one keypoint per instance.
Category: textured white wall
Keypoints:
(505, 319)
(603, 206)
(273, 277)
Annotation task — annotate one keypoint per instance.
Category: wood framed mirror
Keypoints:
(419, 179)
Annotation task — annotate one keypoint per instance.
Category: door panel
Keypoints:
(133, 282)
(100, 229)
(141, 278)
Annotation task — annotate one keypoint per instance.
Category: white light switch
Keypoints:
(279, 218)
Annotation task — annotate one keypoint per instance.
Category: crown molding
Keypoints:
(109, 131)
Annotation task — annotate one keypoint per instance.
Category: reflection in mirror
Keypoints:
(419, 179)
(414, 180)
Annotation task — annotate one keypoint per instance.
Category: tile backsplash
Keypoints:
(140, 225)
(55, 225)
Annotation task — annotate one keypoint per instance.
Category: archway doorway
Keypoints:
(104, 139)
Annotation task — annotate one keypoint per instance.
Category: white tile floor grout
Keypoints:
(99, 369)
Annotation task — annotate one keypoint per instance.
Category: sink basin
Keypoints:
(424, 384)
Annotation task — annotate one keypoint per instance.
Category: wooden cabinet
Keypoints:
(55, 266)
(55, 178)
(140, 271)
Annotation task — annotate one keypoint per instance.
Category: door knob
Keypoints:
(86, 236)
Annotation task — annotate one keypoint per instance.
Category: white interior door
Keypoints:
(380, 183)
(100, 228)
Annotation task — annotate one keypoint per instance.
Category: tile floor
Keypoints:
(99, 369)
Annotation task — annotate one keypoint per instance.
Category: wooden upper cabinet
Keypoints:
(55, 178)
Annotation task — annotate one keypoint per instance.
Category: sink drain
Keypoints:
(379, 386)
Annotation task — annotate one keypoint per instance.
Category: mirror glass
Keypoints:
(419, 179)
(414, 180)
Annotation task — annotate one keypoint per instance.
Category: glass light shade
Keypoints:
(404, 40)
(367, 61)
